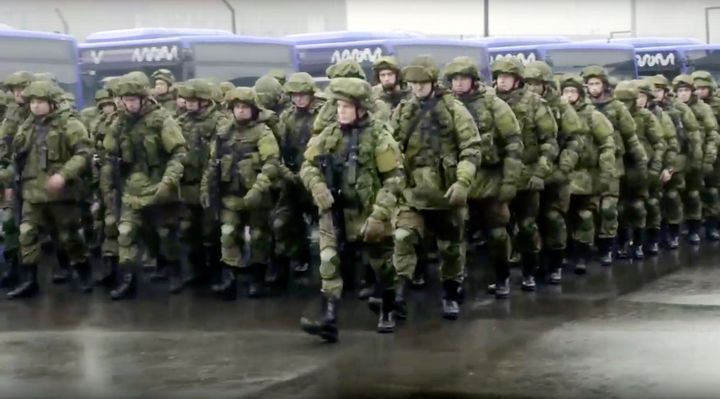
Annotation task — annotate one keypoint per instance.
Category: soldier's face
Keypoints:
(571, 94)
(161, 87)
(659, 94)
(421, 89)
(642, 100)
(108, 109)
(506, 82)
(131, 104)
(684, 93)
(347, 112)
(242, 112)
(595, 87)
(39, 107)
(180, 103)
(702, 92)
(535, 86)
(461, 84)
(192, 104)
(301, 100)
(387, 78)
(17, 92)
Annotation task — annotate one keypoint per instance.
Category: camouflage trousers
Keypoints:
(11, 233)
(155, 227)
(63, 221)
(711, 194)
(199, 232)
(492, 217)
(525, 208)
(411, 226)
(554, 205)
(681, 197)
(583, 216)
(233, 241)
(332, 258)
(631, 208)
(290, 232)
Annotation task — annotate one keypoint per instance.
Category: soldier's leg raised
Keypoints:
(128, 253)
(450, 230)
(29, 251)
(526, 207)
(380, 259)
(408, 233)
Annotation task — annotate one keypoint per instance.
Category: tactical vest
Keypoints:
(199, 131)
(239, 154)
(480, 107)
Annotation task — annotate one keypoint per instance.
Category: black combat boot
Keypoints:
(61, 274)
(637, 246)
(301, 264)
(10, 276)
(582, 256)
(127, 286)
(605, 251)
(82, 273)
(672, 240)
(109, 273)
(400, 300)
(28, 286)
(501, 287)
(368, 288)
(529, 268)
(326, 328)
(161, 272)
(555, 265)
(623, 250)
(257, 280)
(693, 236)
(177, 283)
(227, 287)
(386, 323)
(451, 308)
(653, 242)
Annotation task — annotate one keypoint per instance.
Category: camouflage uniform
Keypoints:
(44, 146)
(391, 97)
(555, 201)
(703, 79)
(145, 151)
(366, 166)
(246, 162)
(167, 100)
(628, 149)
(441, 147)
(497, 178)
(594, 177)
(15, 114)
(539, 132)
(270, 95)
(328, 115)
(199, 231)
(682, 194)
(636, 203)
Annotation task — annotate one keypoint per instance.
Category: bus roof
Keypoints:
(346, 36)
(29, 34)
(570, 46)
(698, 47)
(150, 33)
(187, 40)
(393, 42)
(507, 41)
(650, 41)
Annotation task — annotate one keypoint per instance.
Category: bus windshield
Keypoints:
(705, 60)
(618, 63)
(240, 63)
(40, 55)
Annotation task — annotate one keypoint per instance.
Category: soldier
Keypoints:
(246, 162)
(645, 99)
(163, 81)
(705, 88)
(278, 74)
(354, 171)
(17, 112)
(51, 152)
(684, 91)
(628, 150)
(270, 94)
(145, 149)
(390, 87)
(594, 178)
(682, 194)
(199, 231)
(636, 205)
(555, 201)
(441, 147)
(539, 133)
(497, 178)
(294, 205)
(346, 69)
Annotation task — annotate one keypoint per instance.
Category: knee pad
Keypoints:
(227, 235)
(693, 197)
(672, 195)
(585, 218)
(652, 203)
(28, 234)
(554, 218)
(406, 236)
(126, 234)
(638, 208)
(608, 209)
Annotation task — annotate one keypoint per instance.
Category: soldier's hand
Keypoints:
(322, 196)
(56, 183)
(9, 194)
(536, 184)
(507, 192)
(457, 194)
(666, 175)
(373, 230)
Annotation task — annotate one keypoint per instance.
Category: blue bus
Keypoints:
(618, 59)
(674, 60)
(120, 35)
(314, 59)
(650, 41)
(239, 59)
(508, 41)
(346, 36)
(41, 52)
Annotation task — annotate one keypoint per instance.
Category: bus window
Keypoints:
(618, 63)
(443, 54)
(705, 60)
(241, 64)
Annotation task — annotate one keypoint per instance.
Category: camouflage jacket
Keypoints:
(295, 130)
(709, 126)
(669, 134)
(391, 97)
(626, 139)
(328, 114)
(650, 133)
(690, 138)
(596, 166)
